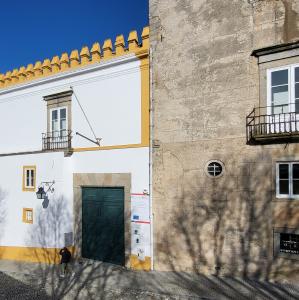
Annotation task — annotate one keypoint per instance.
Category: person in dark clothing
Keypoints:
(65, 259)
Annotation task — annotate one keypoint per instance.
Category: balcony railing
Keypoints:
(55, 140)
(273, 124)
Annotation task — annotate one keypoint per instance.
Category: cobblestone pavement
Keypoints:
(93, 280)
(11, 288)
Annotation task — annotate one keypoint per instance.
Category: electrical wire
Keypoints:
(84, 114)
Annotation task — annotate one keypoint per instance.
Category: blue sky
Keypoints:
(35, 30)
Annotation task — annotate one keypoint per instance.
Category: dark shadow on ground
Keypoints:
(15, 289)
(48, 230)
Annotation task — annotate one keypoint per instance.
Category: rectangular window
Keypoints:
(289, 243)
(287, 180)
(280, 91)
(283, 90)
(29, 178)
(59, 122)
(28, 215)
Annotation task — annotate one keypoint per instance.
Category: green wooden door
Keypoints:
(103, 224)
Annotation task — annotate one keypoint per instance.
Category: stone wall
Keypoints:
(204, 83)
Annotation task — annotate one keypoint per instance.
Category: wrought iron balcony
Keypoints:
(56, 140)
(273, 124)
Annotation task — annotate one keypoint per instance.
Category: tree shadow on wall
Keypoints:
(224, 227)
(86, 278)
(2, 212)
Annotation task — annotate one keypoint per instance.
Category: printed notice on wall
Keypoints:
(140, 207)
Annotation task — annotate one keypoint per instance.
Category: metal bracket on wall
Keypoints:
(97, 142)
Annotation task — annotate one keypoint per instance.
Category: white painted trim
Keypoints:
(290, 196)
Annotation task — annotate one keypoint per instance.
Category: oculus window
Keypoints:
(214, 168)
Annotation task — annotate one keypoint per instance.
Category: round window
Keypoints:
(214, 168)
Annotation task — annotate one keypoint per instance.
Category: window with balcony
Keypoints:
(276, 118)
(58, 135)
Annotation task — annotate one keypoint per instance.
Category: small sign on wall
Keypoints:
(140, 207)
(68, 239)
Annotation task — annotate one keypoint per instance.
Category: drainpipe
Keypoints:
(151, 161)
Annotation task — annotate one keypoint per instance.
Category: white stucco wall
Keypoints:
(57, 218)
(110, 96)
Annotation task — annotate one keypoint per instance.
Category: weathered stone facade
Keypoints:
(204, 83)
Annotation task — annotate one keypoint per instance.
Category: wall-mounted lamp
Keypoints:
(41, 192)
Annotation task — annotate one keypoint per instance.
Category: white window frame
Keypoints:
(291, 85)
(66, 119)
(290, 195)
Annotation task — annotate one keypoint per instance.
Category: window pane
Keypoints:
(63, 113)
(27, 177)
(28, 215)
(283, 171)
(296, 187)
(297, 90)
(54, 114)
(280, 99)
(284, 187)
(32, 178)
(55, 125)
(214, 169)
(296, 171)
(297, 74)
(279, 77)
(63, 124)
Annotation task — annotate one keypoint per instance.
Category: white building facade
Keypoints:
(77, 129)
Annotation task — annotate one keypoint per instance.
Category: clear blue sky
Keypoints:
(33, 30)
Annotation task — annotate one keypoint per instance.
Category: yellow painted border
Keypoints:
(32, 254)
(24, 188)
(140, 265)
(51, 256)
(24, 219)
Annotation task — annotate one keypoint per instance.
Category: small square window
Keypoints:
(28, 215)
(29, 178)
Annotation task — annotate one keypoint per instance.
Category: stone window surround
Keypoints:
(274, 58)
(101, 180)
(59, 100)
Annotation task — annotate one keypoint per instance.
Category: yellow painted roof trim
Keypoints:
(78, 59)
